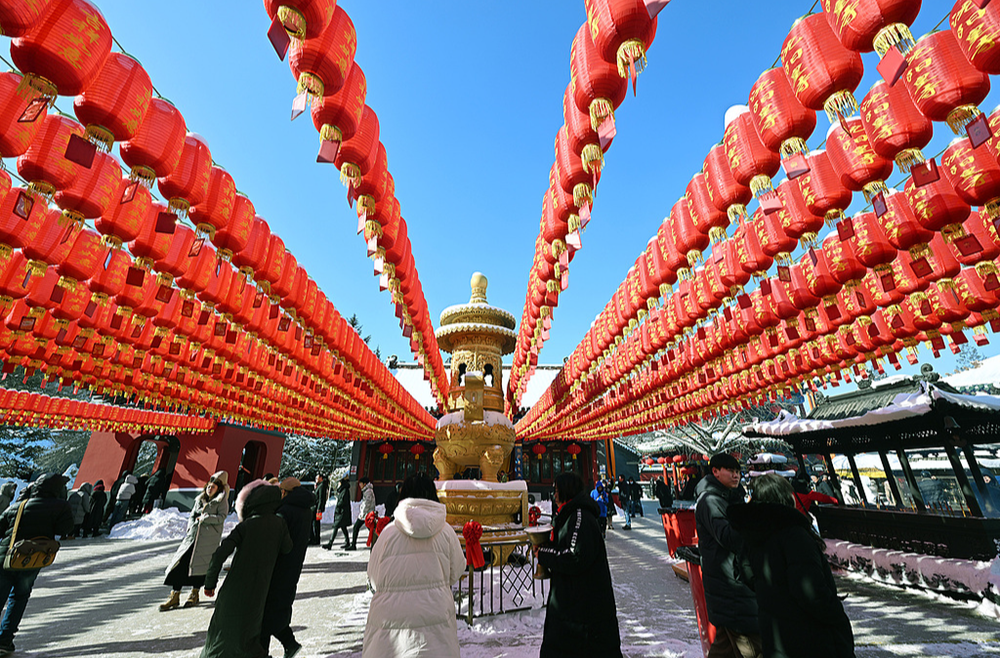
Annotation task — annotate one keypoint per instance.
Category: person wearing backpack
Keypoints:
(44, 514)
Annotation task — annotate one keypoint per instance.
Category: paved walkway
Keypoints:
(100, 599)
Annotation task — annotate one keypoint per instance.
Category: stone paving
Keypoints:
(100, 599)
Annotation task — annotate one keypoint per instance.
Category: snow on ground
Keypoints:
(100, 598)
(162, 525)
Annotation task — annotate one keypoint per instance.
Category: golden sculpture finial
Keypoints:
(479, 284)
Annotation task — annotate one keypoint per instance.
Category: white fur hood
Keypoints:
(419, 518)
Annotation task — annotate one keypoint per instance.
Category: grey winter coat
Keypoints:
(7, 491)
(127, 490)
(367, 499)
(204, 532)
(81, 503)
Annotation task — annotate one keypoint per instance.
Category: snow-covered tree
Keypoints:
(304, 457)
(716, 434)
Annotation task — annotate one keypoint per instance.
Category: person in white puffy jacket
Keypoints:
(413, 566)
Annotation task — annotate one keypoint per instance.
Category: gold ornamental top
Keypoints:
(462, 322)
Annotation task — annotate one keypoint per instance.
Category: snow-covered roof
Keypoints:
(988, 372)
(903, 406)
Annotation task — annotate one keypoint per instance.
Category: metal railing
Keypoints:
(500, 588)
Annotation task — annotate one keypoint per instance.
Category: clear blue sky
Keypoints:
(469, 97)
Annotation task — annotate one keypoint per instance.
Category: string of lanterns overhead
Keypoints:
(682, 339)
(218, 320)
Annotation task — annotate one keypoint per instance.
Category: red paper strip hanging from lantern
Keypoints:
(66, 48)
(943, 84)
(114, 105)
(822, 72)
(320, 64)
(22, 114)
(154, 151)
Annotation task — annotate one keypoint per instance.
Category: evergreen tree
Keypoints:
(26, 450)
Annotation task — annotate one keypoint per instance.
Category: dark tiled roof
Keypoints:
(862, 401)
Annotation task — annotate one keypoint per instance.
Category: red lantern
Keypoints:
(622, 32)
(187, 184)
(977, 30)
(156, 148)
(109, 280)
(214, 211)
(22, 113)
(235, 236)
(21, 216)
(302, 19)
(51, 244)
(873, 24)
(94, 191)
(44, 165)
(597, 88)
(936, 204)
(822, 72)
(975, 175)
(942, 83)
(687, 239)
(17, 18)
(895, 127)
(538, 449)
(129, 211)
(385, 449)
(749, 251)
(153, 240)
(822, 189)
(900, 223)
(321, 64)
(571, 174)
(338, 116)
(797, 221)
(853, 158)
(583, 139)
(726, 193)
(66, 49)
(574, 450)
(782, 123)
(417, 450)
(753, 164)
(871, 245)
(357, 155)
(115, 103)
(83, 260)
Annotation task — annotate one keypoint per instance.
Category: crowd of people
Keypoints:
(768, 587)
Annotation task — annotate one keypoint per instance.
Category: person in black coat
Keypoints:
(46, 513)
(392, 500)
(296, 508)
(99, 498)
(799, 611)
(135, 502)
(580, 617)
(321, 493)
(341, 514)
(156, 488)
(113, 494)
(732, 606)
(636, 497)
(664, 493)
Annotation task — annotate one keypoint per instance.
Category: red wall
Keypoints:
(201, 455)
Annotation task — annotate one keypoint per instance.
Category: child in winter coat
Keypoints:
(413, 565)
